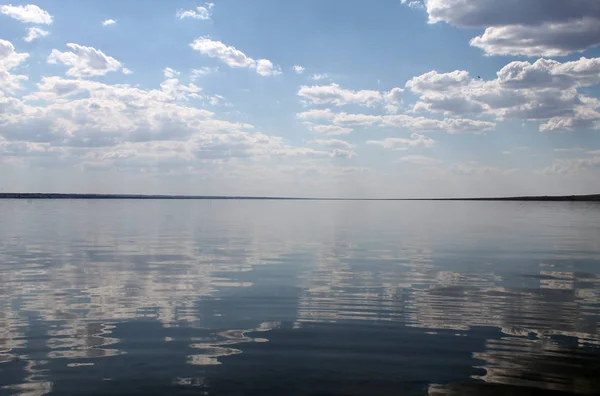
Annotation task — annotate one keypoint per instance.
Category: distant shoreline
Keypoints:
(561, 198)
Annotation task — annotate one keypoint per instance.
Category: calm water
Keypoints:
(297, 298)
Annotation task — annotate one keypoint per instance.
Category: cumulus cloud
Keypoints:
(582, 119)
(219, 100)
(545, 73)
(402, 144)
(108, 22)
(265, 67)
(203, 71)
(227, 54)
(34, 33)
(355, 120)
(434, 81)
(448, 125)
(542, 90)
(316, 114)
(332, 143)
(88, 113)
(29, 13)
(320, 76)
(331, 130)
(234, 57)
(101, 125)
(298, 69)
(393, 100)
(333, 94)
(169, 72)
(516, 27)
(9, 59)
(84, 61)
(174, 89)
(337, 153)
(413, 3)
(200, 12)
(337, 96)
(551, 39)
(340, 149)
(341, 123)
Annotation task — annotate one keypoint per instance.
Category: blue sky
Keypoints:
(306, 98)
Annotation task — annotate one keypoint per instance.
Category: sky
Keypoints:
(307, 98)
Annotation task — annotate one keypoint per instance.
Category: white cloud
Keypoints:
(299, 69)
(201, 12)
(573, 165)
(227, 54)
(337, 153)
(413, 3)
(85, 61)
(175, 90)
(550, 39)
(100, 125)
(9, 83)
(353, 120)
(546, 73)
(337, 96)
(326, 115)
(339, 122)
(34, 33)
(9, 59)
(533, 28)
(265, 67)
(8, 148)
(434, 81)
(393, 100)
(332, 143)
(316, 114)
(333, 94)
(105, 115)
(402, 144)
(203, 71)
(320, 76)
(448, 125)
(110, 121)
(109, 22)
(233, 57)
(543, 90)
(420, 160)
(170, 73)
(583, 118)
(219, 100)
(29, 13)
(332, 130)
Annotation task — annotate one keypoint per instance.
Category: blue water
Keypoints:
(299, 298)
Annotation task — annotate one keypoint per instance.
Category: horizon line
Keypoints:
(587, 197)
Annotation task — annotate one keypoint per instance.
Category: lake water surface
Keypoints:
(299, 298)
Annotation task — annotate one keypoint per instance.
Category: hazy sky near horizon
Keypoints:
(393, 98)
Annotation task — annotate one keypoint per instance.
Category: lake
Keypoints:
(299, 297)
